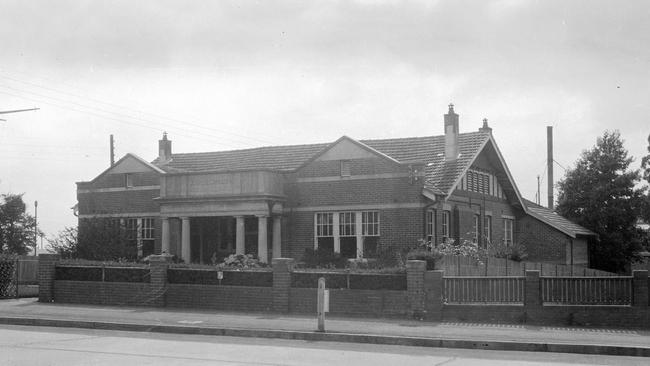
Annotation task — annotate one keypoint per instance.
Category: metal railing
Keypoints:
(587, 290)
(484, 290)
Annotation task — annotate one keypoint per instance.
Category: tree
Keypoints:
(600, 194)
(96, 239)
(16, 226)
(645, 163)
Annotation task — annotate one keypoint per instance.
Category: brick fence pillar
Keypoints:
(415, 287)
(532, 291)
(640, 288)
(282, 268)
(158, 265)
(433, 289)
(46, 276)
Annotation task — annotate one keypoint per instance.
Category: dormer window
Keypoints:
(345, 168)
(128, 180)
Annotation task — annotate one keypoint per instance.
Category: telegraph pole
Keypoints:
(35, 226)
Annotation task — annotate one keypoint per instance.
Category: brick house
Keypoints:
(349, 196)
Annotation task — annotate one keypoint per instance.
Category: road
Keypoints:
(69, 347)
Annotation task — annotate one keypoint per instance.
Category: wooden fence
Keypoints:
(465, 266)
(587, 290)
(487, 290)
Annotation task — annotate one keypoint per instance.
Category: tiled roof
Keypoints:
(553, 219)
(440, 176)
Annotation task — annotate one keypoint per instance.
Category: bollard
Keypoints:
(322, 305)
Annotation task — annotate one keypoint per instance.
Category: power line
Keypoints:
(133, 109)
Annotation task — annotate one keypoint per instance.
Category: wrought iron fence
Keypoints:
(484, 290)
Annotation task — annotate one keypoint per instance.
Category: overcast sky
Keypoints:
(220, 75)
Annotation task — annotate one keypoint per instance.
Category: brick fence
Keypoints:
(426, 296)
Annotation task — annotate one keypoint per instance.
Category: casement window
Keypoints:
(345, 168)
(477, 229)
(325, 230)
(487, 230)
(128, 180)
(431, 225)
(508, 225)
(131, 230)
(351, 233)
(444, 225)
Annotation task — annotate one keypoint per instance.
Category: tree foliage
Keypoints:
(600, 194)
(16, 225)
(96, 239)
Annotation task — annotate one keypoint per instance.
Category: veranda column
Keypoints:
(239, 235)
(262, 239)
(277, 236)
(165, 235)
(185, 239)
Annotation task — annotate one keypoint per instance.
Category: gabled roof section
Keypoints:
(556, 221)
(370, 151)
(129, 157)
(443, 176)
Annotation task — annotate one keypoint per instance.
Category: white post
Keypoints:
(165, 235)
(359, 233)
(277, 236)
(262, 239)
(185, 239)
(239, 236)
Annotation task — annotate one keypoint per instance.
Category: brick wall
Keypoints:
(543, 243)
(232, 298)
(118, 202)
(375, 303)
(104, 293)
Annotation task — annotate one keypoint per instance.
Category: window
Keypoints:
(370, 223)
(325, 230)
(357, 232)
(131, 227)
(487, 230)
(445, 226)
(147, 236)
(370, 233)
(347, 234)
(347, 223)
(345, 168)
(508, 225)
(128, 180)
(477, 229)
(431, 225)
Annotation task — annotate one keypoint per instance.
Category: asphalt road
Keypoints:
(69, 347)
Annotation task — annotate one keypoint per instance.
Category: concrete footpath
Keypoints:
(338, 329)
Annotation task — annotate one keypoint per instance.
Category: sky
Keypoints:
(221, 75)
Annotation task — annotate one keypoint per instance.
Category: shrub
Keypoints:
(323, 258)
(240, 261)
(515, 252)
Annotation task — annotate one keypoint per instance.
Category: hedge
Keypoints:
(110, 274)
(210, 277)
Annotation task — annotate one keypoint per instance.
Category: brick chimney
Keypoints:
(451, 134)
(485, 127)
(164, 149)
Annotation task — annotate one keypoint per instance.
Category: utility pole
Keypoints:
(35, 226)
(538, 199)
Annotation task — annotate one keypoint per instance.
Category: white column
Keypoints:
(239, 235)
(277, 236)
(185, 239)
(165, 235)
(337, 238)
(359, 233)
(262, 241)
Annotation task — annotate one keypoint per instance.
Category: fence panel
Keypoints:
(27, 270)
(484, 290)
(587, 290)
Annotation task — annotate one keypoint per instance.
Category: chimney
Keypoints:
(164, 149)
(451, 134)
(485, 128)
